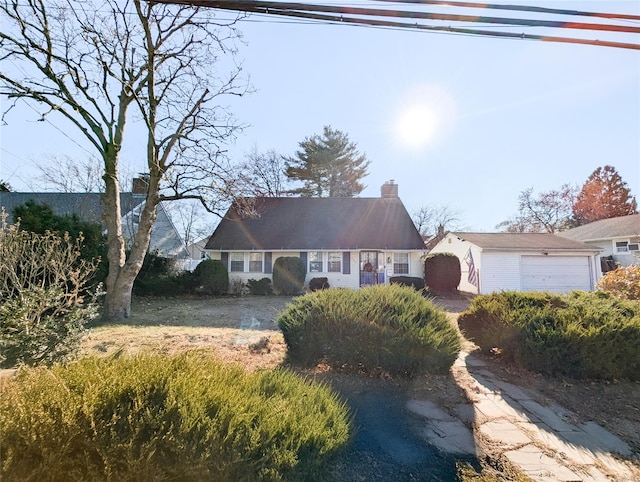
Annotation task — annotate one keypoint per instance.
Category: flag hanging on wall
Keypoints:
(473, 276)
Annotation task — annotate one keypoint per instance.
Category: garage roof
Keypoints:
(523, 241)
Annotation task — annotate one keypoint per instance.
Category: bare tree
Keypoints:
(192, 221)
(264, 174)
(434, 221)
(101, 66)
(548, 212)
(63, 173)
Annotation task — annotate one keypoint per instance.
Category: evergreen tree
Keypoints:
(604, 195)
(328, 166)
(39, 218)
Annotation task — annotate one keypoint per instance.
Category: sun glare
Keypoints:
(424, 116)
(417, 126)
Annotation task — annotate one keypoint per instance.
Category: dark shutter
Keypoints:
(304, 257)
(346, 262)
(224, 257)
(268, 262)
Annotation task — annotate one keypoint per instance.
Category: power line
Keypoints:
(520, 8)
(366, 17)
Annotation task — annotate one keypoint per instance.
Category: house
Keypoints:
(618, 238)
(165, 239)
(353, 242)
(197, 252)
(493, 262)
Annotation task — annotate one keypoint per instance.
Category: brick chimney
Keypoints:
(140, 184)
(389, 190)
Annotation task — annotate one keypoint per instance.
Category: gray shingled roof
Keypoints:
(87, 206)
(318, 224)
(523, 241)
(621, 227)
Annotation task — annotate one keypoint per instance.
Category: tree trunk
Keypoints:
(117, 303)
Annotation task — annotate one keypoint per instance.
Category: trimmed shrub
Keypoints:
(288, 275)
(153, 417)
(316, 284)
(211, 278)
(442, 272)
(260, 287)
(160, 277)
(44, 306)
(377, 329)
(622, 283)
(582, 335)
(414, 282)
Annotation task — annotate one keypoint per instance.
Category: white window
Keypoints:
(334, 264)
(622, 246)
(315, 261)
(255, 262)
(237, 262)
(634, 246)
(401, 263)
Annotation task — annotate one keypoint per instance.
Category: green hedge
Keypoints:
(151, 417)
(442, 272)
(211, 278)
(582, 335)
(390, 329)
(289, 273)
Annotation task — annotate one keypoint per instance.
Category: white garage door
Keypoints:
(559, 274)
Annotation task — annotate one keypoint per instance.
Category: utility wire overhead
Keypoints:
(520, 8)
(367, 17)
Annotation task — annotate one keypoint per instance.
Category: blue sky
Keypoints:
(494, 117)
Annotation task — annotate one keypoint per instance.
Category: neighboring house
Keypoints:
(492, 262)
(353, 242)
(165, 239)
(197, 252)
(618, 238)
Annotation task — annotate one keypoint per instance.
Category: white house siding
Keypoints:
(339, 280)
(558, 274)
(500, 272)
(335, 280)
(460, 248)
(622, 258)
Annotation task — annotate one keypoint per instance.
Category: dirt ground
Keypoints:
(242, 330)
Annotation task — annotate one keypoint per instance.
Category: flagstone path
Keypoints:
(503, 422)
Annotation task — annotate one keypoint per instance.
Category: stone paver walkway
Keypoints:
(504, 422)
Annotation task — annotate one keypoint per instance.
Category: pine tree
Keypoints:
(328, 166)
(604, 195)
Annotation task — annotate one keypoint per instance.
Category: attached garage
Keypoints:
(492, 262)
(555, 273)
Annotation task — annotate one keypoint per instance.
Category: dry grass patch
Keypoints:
(238, 330)
(253, 349)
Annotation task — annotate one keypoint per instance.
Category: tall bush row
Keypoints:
(153, 417)
(582, 335)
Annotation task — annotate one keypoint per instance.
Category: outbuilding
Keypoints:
(492, 262)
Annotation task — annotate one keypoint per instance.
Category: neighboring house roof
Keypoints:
(522, 241)
(89, 207)
(305, 223)
(620, 227)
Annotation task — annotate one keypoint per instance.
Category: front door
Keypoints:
(368, 268)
